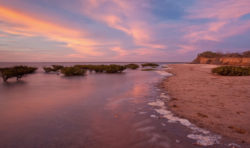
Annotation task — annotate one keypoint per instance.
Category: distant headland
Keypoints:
(236, 59)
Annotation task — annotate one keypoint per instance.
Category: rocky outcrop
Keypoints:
(235, 61)
(204, 60)
(238, 61)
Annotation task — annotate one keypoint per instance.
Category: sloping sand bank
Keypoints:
(219, 103)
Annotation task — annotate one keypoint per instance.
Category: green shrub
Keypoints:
(73, 71)
(114, 68)
(103, 68)
(149, 65)
(246, 54)
(234, 55)
(210, 54)
(57, 67)
(98, 68)
(148, 69)
(54, 68)
(87, 67)
(132, 66)
(232, 71)
(16, 71)
(47, 69)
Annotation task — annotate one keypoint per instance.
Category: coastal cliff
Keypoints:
(235, 61)
(223, 59)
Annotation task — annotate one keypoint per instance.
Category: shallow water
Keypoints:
(97, 110)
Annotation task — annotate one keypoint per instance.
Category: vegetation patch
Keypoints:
(148, 69)
(174, 106)
(54, 68)
(113, 68)
(234, 58)
(149, 65)
(232, 71)
(132, 66)
(237, 130)
(210, 54)
(246, 54)
(98, 68)
(73, 71)
(202, 115)
(16, 71)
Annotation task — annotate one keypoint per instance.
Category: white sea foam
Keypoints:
(164, 96)
(154, 138)
(158, 103)
(205, 140)
(146, 129)
(142, 113)
(164, 73)
(153, 116)
(202, 136)
(163, 124)
(234, 145)
(142, 123)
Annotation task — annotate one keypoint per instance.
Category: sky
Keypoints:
(121, 30)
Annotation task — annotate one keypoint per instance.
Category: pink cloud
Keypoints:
(226, 23)
(126, 29)
(186, 48)
(222, 9)
(124, 16)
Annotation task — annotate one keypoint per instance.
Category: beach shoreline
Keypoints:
(217, 103)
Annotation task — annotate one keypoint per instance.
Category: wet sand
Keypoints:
(218, 103)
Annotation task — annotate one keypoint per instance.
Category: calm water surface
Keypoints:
(94, 111)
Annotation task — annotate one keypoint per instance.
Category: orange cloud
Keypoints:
(25, 25)
(123, 15)
(120, 52)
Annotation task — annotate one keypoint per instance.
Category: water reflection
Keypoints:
(15, 83)
(47, 110)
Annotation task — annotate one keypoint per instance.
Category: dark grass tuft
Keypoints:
(73, 71)
(149, 65)
(132, 66)
(232, 71)
(54, 68)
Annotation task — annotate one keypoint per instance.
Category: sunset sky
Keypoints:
(121, 30)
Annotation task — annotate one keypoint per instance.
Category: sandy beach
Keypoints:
(218, 103)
